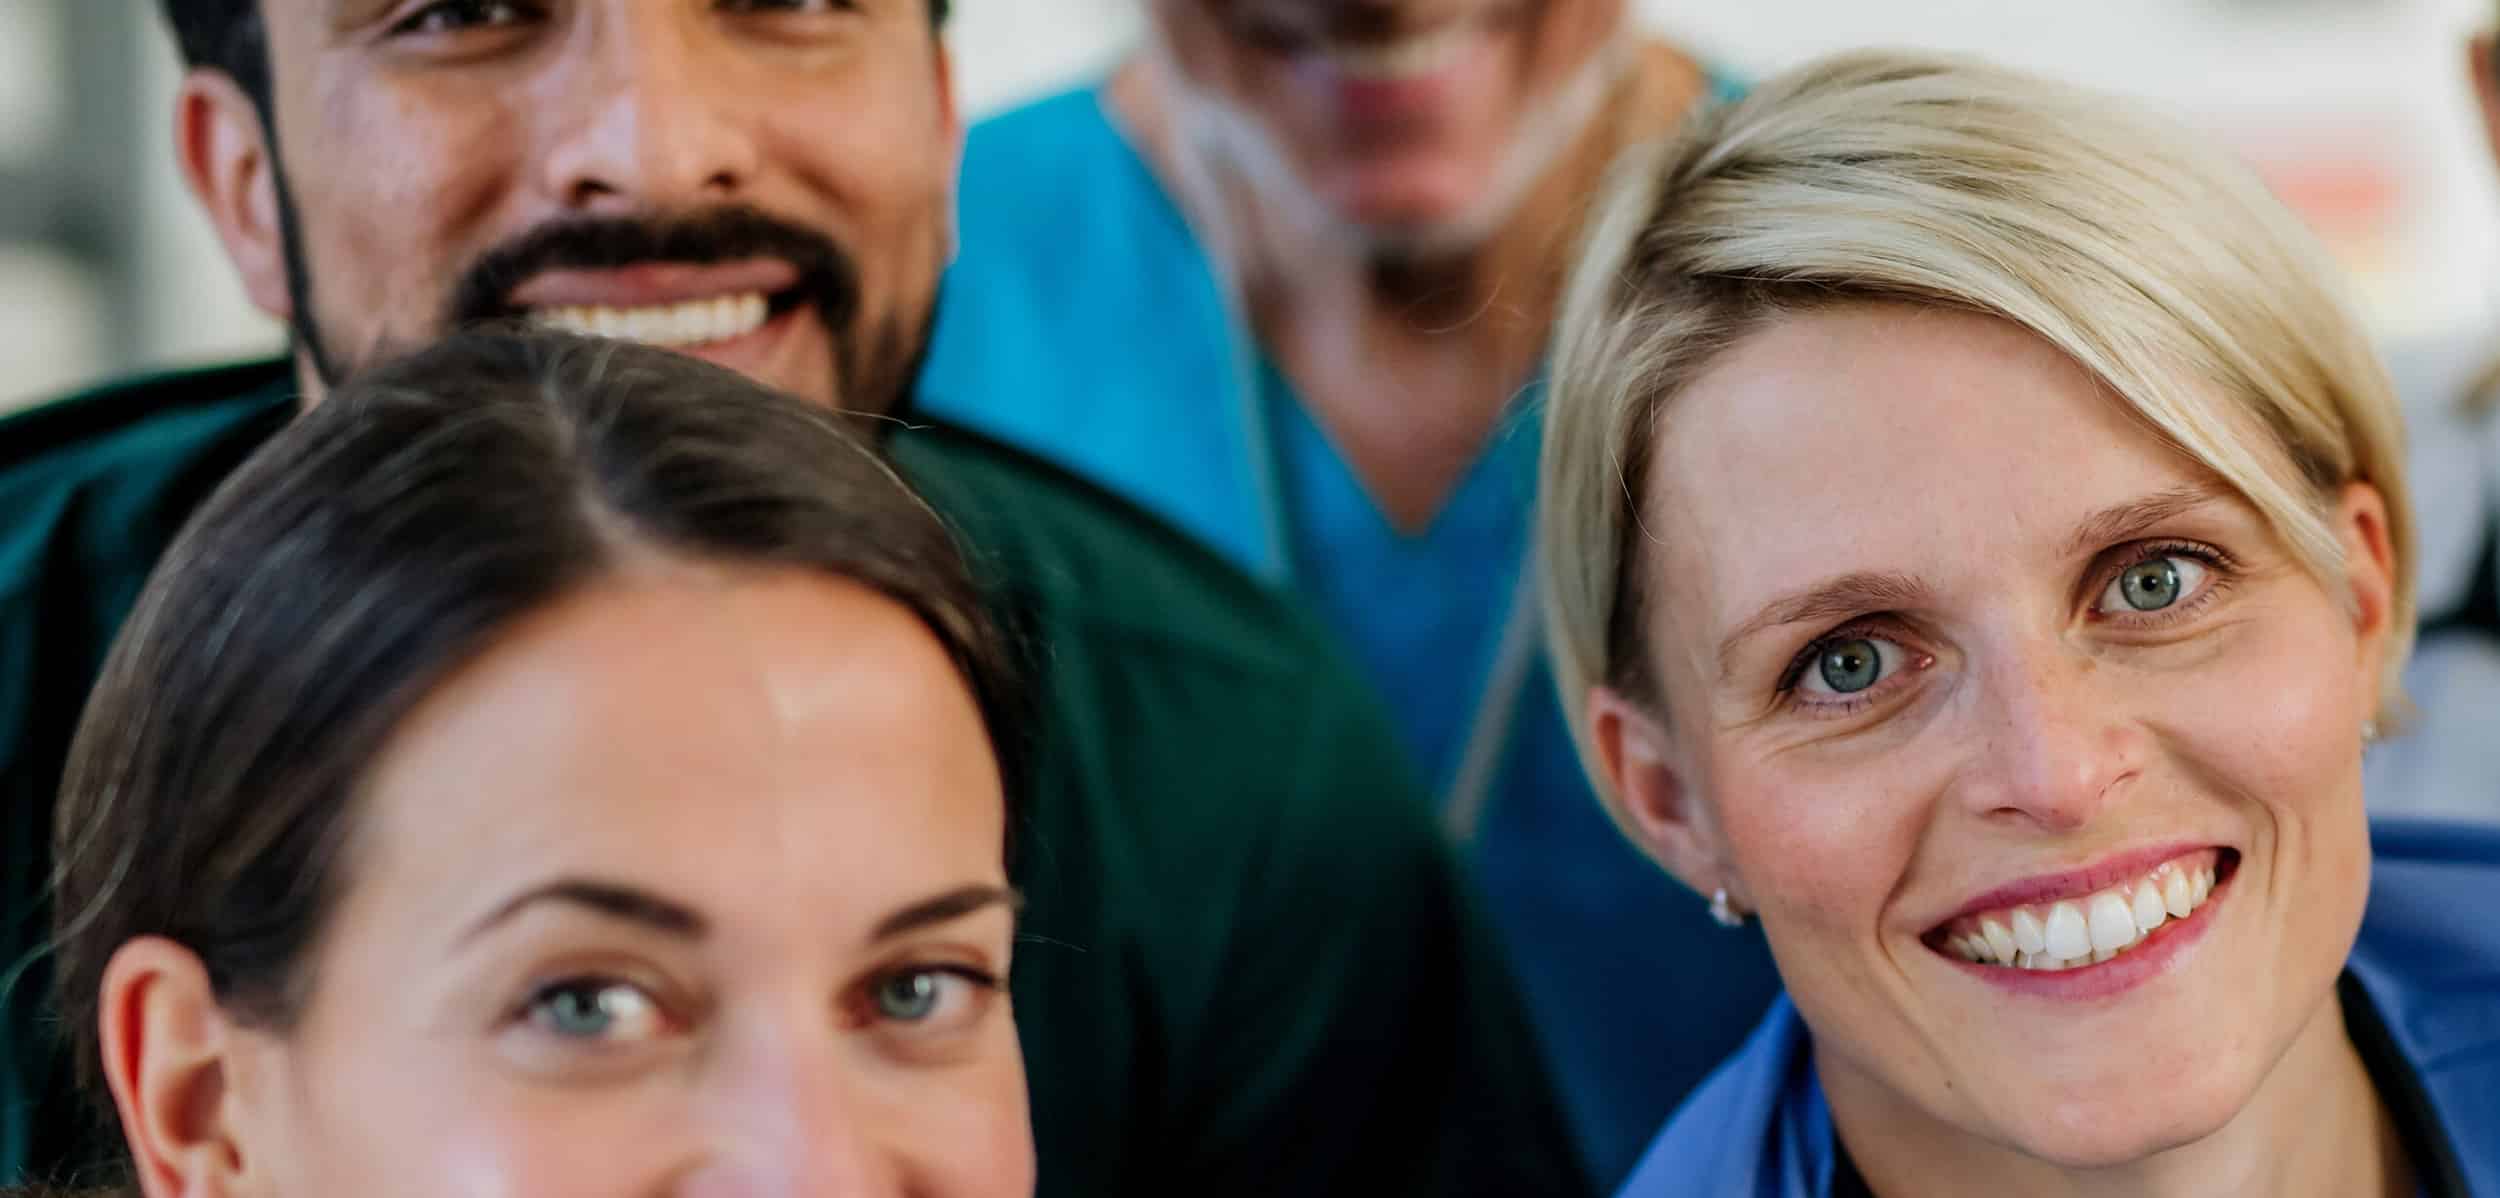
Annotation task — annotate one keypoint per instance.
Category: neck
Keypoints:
(1492, 270)
(1406, 347)
(2314, 1129)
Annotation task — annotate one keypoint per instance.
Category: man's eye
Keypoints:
(452, 16)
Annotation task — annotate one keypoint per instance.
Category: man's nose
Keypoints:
(649, 119)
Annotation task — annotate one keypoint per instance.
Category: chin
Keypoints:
(1424, 219)
(2120, 1124)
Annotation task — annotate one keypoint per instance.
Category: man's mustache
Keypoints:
(828, 276)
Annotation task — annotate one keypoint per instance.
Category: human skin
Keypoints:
(691, 884)
(2006, 716)
(417, 138)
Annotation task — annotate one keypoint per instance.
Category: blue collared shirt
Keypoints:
(1083, 321)
(2427, 962)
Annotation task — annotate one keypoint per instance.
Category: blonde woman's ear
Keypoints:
(2369, 573)
(1650, 782)
(168, 1050)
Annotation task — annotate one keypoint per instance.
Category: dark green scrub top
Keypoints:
(1249, 963)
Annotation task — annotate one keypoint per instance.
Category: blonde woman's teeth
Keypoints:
(2082, 931)
(691, 322)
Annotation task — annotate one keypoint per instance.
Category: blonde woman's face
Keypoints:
(689, 886)
(1961, 661)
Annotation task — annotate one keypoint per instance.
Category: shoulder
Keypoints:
(1040, 132)
(1059, 168)
(1719, 1138)
(2430, 956)
(2429, 880)
(119, 468)
(134, 420)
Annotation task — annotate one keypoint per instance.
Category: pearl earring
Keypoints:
(1724, 911)
(2369, 732)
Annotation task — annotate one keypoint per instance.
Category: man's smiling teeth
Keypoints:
(694, 322)
(1405, 58)
(2085, 931)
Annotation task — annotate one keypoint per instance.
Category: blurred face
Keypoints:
(1399, 119)
(763, 183)
(2035, 749)
(690, 886)
(2482, 65)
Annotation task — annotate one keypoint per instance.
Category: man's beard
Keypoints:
(875, 367)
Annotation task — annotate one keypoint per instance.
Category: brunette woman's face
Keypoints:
(692, 884)
(2034, 747)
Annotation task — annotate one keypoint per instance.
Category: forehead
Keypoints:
(767, 743)
(1884, 437)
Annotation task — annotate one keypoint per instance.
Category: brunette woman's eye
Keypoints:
(595, 1009)
(930, 995)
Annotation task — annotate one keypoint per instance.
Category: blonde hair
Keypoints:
(2154, 262)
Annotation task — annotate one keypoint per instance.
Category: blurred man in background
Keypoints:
(2446, 761)
(1295, 262)
(1250, 965)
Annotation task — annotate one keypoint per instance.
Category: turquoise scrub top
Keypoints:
(1083, 321)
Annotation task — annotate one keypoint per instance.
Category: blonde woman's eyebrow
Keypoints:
(1851, 594)
(2127, 521)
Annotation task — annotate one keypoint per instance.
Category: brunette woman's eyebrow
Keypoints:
(946, 908)
(614, 900)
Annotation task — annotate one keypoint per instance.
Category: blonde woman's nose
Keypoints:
(2052, 740)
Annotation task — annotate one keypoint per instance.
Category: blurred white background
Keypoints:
(2359, 111)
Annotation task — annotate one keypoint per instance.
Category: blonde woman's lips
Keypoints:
(2091, 932)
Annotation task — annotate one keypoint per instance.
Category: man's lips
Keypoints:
(653, 284)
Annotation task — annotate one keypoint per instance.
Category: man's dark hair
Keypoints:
(227, 35)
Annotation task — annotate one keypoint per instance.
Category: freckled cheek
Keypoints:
(2273, 714)
(1819, 855)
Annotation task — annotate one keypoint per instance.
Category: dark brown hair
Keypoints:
(375, 546)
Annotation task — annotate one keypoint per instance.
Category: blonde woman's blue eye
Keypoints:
(2153, 584)
(1848, 665)
(595, 1009)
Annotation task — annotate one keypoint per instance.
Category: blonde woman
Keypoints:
(1977, 545)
